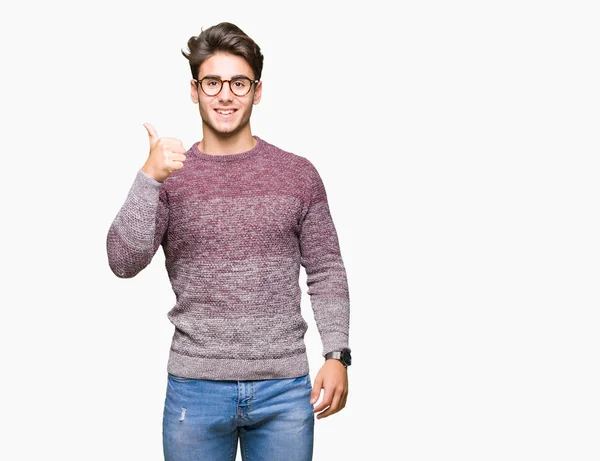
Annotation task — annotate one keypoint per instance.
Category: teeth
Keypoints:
(225, 112)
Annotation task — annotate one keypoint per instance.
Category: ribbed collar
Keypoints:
(229, 157)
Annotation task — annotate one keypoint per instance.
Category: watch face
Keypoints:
(346, 357)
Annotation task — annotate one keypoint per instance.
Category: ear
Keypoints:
(193, 91)
(257, 92)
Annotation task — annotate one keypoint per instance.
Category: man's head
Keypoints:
(225, 52)
(226, 38)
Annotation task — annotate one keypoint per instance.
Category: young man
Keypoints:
(236, 217)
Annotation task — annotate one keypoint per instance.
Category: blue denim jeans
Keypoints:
(203, 419)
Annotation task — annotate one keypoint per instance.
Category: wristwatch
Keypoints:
(343, 356)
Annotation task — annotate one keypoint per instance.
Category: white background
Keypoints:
(458, 142)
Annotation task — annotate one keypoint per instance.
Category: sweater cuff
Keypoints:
(148, 180)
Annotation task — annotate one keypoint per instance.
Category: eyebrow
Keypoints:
(220, 78)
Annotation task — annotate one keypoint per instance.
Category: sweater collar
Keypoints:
(228, 157)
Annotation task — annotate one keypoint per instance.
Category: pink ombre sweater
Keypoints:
(235, 230)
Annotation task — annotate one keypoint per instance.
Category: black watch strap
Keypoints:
(334, 355)
(343, 356)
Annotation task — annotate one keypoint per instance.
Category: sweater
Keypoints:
(234, 231)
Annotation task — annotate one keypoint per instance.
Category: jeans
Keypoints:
(272, 418)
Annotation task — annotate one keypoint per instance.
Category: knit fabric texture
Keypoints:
(234, 230)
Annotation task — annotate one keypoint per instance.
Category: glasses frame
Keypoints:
(252, 82)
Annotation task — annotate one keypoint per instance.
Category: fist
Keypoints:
(166, 155)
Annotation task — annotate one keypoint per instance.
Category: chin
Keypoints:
(225, 132)
(227, 129)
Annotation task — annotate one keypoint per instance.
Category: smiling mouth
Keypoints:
(225, 112)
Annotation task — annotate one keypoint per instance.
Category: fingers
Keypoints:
(334, 402)
(175, 166)
(334, 398)
(316, 390)
(343, 399)
(344, 396)
(174, 144)
(178, 157)
(166, 155)
(171, 145)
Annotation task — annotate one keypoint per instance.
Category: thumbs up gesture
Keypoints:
(166, 155)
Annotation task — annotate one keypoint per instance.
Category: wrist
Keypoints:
(150, 173)
(338, 361)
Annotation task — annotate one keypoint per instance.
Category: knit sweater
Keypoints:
(234, 230)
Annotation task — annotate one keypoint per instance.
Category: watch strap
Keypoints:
(340, 355)
(334, 355)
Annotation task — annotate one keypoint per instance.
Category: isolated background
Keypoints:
(458, 142)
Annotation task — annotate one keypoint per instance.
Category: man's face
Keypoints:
(225, 66)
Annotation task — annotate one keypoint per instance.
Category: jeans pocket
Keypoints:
(308, 382)
(179, 379)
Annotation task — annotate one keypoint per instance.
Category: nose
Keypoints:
(225, 94)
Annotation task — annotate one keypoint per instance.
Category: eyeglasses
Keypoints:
(240, 86)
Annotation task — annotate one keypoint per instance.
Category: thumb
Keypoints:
(152, 134)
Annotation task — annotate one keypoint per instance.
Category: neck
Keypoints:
(225, 144)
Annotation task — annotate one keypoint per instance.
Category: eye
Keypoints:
(239, 83)
(212, 82)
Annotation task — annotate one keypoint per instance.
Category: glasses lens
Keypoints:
(211, 86)
(240, 86)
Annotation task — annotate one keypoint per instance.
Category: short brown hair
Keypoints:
(224, 37)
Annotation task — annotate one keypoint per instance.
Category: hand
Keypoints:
(166, 155)
(333, 378)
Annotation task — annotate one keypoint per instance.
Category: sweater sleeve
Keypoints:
(325, 273)
(139, 227)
